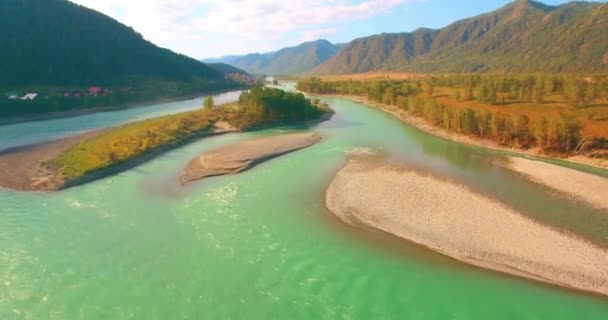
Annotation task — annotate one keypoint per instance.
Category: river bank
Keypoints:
(20, 168)
(87, 157)
(452, 220)
(93, 110)
(26, 169)
(572, 183)
(425, 126)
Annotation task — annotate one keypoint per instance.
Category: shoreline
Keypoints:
(470, 227)
(426, 127)
(578, 185)
(21, 168)
(101, 109)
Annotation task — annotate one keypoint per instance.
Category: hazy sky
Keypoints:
(211, 28)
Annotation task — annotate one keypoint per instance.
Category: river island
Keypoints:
(452, 220)
(238, 157)
(93, 155)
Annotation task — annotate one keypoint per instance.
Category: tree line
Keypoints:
(50, 101)
(561, 134)
(577, 90)
(264, 106)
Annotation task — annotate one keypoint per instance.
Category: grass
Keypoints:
(130, 140)
(120, 144)
(593, 119)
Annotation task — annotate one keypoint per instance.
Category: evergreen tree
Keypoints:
(208, 103)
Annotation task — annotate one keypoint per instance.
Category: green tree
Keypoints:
(540, 133)
(603, 89)
(578, 92)
(469, 123)
(208, 102)
(520, 130)
(430, 89)
(484, 118)
(570, 132)
(486, 93)
(539, 94)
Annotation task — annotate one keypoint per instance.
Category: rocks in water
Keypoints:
(243, 155)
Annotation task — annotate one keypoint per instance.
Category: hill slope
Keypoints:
(226, 69)
(56, 42)
(523, 36)
(293, 60)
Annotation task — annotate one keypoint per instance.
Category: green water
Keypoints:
(260, 245)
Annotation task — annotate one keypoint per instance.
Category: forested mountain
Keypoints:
(523, 36)
(56, 42)
(293, 60)
(226, 69)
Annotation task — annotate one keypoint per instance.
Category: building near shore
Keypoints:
(12, 95)
(95, 90)
(29, 96)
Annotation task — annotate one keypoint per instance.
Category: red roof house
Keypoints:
(94, 90)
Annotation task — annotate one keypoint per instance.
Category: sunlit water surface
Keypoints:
(260, 245)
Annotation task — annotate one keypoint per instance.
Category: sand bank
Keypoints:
(579, 185)
(241, 156)
(452, 220)
(20, 168)
(23, 168)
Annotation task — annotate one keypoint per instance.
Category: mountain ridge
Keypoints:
(291, 60)
(60, 43)
(521, 36)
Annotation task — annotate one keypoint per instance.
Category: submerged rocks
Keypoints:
(243, 155)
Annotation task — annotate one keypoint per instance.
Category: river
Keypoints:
(260, 245)
(27, 133)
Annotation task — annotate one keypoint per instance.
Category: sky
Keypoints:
(213, 28)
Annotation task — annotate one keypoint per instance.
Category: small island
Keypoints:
(244, 155)
(94, 155)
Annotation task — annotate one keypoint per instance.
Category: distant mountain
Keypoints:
(523, 36)
(291, 61)
(226, 69)
(224, 59)
(56, 42)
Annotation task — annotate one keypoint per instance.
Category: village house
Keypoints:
(94, 90)
(29, 96)
(12, 95)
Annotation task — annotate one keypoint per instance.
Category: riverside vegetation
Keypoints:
(558, 114)
(136, 90)
(258, 107)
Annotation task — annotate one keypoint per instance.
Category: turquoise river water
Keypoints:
(260, 245)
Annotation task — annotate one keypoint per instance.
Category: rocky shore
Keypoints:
(455, 221)
(573, 183)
